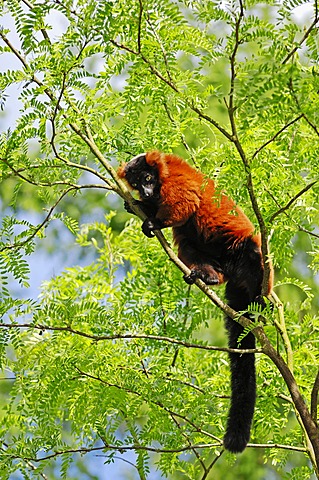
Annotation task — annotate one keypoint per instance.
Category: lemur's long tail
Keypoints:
(243, 376)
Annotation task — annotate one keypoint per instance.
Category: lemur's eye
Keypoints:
(134, 185)
(148, 178)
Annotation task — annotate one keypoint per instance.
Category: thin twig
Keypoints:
(283, 331)
(292, 200)
(295, 97)
(193, 449)
(43, 31)
(300, 228)
(41, 225)
(209, 468)
(231, 105)
(139, 46)
(276, 135)
(306, 35)
(313, 234)
(17, 172)
(154, 402)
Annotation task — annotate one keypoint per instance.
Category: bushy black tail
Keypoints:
(243, 376)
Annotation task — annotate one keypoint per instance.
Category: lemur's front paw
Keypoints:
(206, 277)
(147, 227)
(127, 207)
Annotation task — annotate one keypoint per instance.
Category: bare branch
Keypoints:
(312, 125)
(14, 51)
(159, 338)
(208, 469)
(277, 445)
(125, 448)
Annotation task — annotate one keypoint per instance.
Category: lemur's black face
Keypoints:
(143, 178)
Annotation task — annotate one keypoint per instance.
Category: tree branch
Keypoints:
(208, 469)
(302, 413)
(300, 228)
(295, 97)
(43, 31)
(292, 200)
(154, 402)
(283, 331)
(234, 138)
(159, 338)
(276, 135)
(314, 399)
(75, 186)
(193, 449)
(304, 38)
(168, 81)
(231, 107)
(126, 448)
(41, 225)
(139, 45)
(120, 186)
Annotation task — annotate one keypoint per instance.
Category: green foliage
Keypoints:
(115, 353)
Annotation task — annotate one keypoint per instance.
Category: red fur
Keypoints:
(216, 241)
(186, 192)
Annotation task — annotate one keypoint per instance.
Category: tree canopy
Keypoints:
(117, 354)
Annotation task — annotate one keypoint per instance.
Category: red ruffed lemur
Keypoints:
(216, 241)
